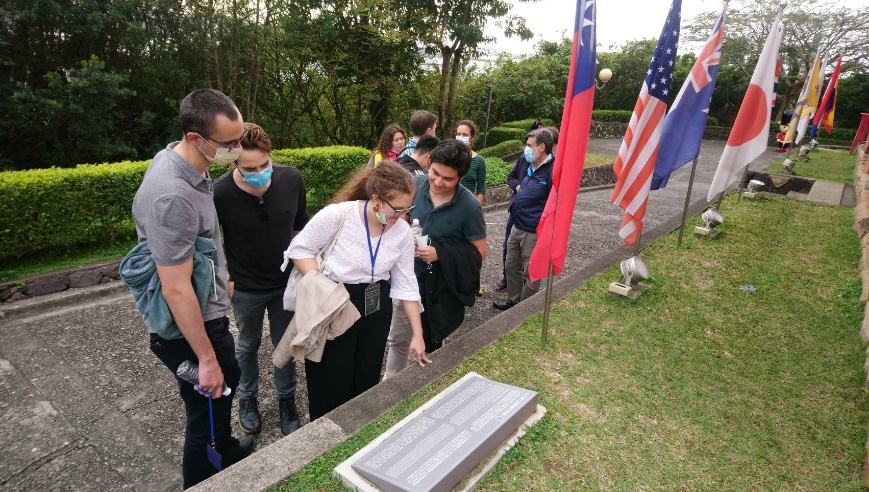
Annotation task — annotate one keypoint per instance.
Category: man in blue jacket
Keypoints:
(531, 182)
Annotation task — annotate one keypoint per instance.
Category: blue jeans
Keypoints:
(249, 308)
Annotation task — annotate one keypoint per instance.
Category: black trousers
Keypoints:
(195, 466)
(351, 363)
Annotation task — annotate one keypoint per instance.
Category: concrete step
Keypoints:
(826, 192)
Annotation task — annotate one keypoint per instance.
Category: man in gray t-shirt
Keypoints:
(173, 206)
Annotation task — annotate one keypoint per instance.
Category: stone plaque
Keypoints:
(437, 448)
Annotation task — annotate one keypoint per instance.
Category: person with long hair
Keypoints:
(389, 146)
(475, 180)
(373, 258)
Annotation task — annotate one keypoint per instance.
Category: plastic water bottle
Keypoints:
(189, 372)
(416, 229)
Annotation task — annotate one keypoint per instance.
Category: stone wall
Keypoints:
(861, 227)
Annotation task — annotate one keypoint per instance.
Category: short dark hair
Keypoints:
(454, 154)
(542, 136)
(426, 143)
(554, 132)
(420, 121)
(200, 108)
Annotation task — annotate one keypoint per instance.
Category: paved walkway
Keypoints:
(84, 405)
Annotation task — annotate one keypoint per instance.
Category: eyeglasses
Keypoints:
(261, 212)
(399, 211)
(229, 145)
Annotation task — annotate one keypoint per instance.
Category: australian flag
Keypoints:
(684, 124)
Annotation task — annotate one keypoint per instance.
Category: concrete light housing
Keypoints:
(712, 219)
(634, 269)
(753, 190)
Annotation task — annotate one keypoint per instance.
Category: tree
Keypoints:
(811, 26)
(453, 31)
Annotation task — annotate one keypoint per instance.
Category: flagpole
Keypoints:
(687, 201)
(548, 301)
(742, 184)
(637, 244)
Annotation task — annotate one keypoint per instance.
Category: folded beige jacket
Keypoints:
(323, 312)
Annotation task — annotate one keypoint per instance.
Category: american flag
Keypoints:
(639, 149)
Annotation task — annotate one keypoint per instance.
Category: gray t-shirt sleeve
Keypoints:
(172, 225)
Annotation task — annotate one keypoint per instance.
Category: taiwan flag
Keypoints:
(554, 227)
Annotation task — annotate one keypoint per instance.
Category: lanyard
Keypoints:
(372, 253)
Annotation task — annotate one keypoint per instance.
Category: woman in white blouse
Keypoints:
(373, 258)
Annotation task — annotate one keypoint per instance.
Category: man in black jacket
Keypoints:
(526, 207)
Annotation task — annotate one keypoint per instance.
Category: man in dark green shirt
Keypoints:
(448, 214)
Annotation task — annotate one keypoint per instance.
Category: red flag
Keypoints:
(639, 150)
(554, 227)
(827, 109)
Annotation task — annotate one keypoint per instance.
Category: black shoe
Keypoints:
(504, 305)
(248, 416)
(241, 449)
(289, 415)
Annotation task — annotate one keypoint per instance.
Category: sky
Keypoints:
(618, 20)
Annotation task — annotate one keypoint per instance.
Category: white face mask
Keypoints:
(465, 140)
(222, 155)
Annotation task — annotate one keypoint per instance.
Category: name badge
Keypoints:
(372, 298)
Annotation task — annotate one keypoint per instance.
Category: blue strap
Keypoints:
(372, 253)
(211, 421)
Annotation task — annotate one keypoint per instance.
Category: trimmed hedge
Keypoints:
(612, 115)
(711, 121)
(502, 134)
(526, 123)
(503, 149)
(325, 169)
(61, 209)
(496, 171)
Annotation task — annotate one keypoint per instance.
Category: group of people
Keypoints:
(399, 291)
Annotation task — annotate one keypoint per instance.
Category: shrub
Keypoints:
(614, 115)
(61, 209)
(496, 171)
(503, 149)
(711, 121)
(325, 169)
(502, 134)
(526, 123)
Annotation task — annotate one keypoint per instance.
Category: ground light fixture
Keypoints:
(787, 166)
(712, 219)
(754, 187)
(633, 270)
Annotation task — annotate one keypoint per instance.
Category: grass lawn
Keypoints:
(12, 270)
(830, 165)
(592, 160)
(698, 385)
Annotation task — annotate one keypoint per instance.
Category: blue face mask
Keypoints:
(529, 155)
(258, 180)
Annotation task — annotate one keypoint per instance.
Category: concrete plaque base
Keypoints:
(451, 441)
